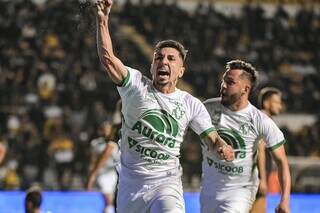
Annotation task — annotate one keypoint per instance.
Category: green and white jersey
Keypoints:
(242, 130)
(153, 127)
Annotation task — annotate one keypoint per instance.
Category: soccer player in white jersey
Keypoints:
(155, 117)
(105, 156)
(231, 186)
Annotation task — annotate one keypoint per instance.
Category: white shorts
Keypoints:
(238, 200)
(161, 197)
(107, 182)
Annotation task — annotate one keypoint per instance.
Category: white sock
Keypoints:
(110, 209)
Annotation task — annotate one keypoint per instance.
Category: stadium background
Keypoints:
(53, 91)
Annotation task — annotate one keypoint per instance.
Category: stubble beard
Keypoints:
(232, 99)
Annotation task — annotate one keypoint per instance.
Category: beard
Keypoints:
(230, 99)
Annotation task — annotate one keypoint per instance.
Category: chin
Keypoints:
(162, 83)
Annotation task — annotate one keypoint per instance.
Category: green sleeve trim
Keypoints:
(125, 80)
(276, 146)
(206, 132)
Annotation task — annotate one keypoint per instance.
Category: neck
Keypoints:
(166, 88)
(239, 105)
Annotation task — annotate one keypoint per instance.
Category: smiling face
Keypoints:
(234, 86)
(166, 68)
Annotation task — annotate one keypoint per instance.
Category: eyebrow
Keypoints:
(169, 55)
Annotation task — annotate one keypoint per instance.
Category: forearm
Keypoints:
(214, 140)
(262, 162)
(98, 164)
(285, 181)
(113, 66)
(104, 43)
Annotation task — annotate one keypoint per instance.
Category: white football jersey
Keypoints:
(153, 126)
(242, 130)
(98, 145)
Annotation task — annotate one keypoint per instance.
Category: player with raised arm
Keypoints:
(156, 115)
(232, 186)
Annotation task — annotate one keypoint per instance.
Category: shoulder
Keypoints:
(134, 75)
(212, 103)
(261, 120)
(258, 115)
(189, 99)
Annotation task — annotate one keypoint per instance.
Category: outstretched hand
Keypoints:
(226, 152)
(103, 9)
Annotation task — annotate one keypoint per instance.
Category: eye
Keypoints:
(158, 57)
(229, 82)
(171, 58)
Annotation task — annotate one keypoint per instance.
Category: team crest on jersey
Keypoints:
(245, 128)
(179, 110)
(234, 139)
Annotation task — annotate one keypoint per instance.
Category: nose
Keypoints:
(164, 61)
(223, 85)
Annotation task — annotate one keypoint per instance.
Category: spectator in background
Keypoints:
(62, 150)
(33, 200)
(104, 157)
(270, 102)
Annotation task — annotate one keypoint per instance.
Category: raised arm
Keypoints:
(215, 142)
(113, 66)
(99, 164)
(281, 160)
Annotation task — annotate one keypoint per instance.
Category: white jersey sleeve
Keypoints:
(133, 79)
(271, 133)
(200, 120)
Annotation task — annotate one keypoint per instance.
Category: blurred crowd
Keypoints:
(54, 94)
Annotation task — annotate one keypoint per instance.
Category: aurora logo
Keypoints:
(235, 140)
(158, 125)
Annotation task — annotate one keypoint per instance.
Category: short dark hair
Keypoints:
(173, 44)
(34, 197)
(249, 71)
(266, 93)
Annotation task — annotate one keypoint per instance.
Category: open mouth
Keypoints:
(163, 72)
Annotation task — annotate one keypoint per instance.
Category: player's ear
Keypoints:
(182, 72)
(246, 89)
